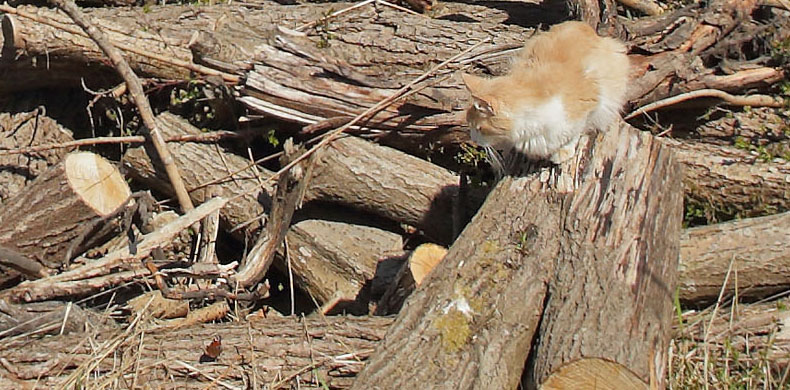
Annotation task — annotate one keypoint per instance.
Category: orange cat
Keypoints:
(563, 82)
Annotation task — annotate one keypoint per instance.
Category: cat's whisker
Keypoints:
(497, 162)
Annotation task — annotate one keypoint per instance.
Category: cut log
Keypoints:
(335, 262)
(424, 259)
(204, 169)
(93, 276)
(585, 268)
(758, 249)
(305, 353)
(612, 292)
(410, 274)
(322, 266)
(54, 214)
(470, 324)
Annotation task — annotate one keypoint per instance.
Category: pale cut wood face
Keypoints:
(562, 82)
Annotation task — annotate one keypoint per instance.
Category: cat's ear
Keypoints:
(472, 82)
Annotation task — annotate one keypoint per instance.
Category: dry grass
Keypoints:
(746, 348)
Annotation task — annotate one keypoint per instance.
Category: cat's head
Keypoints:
(489, 120)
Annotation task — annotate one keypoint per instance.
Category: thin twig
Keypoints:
(712, 317)
(65, 318)
(751, 100)
(290, 276)
(138, 97)
(399, 8)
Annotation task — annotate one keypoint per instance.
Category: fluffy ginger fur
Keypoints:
(563, 82)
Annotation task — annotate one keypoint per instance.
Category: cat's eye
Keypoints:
(482, 107)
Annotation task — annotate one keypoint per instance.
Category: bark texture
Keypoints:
(470, 324)
(47, 318)
(611, 296)
(23, 130)
(353, 61)
(757, 248)
(732, 182)
(389, 183)
(368, 53)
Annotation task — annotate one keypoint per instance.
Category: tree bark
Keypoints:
(389, 183)
(755, 251)
(732, 182)
(611, 296)
(96, 275)
(554, 253)
(52, 216)
(264, 351)
(471, 323)
(50, 318)
(302, 80)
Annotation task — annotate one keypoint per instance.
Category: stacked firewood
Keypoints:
(566, 277)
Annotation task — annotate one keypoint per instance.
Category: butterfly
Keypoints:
(212, 350)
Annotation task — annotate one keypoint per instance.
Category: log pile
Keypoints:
(340, 146)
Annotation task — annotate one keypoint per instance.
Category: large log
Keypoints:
(583, 267)
(755, 252)
(389, 183)
(304, 353)
(382, 185)
(47, 318)
(612, 293)
(55, 215)
(20, 130)
(471, 323)
(758, 249)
